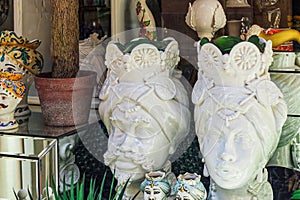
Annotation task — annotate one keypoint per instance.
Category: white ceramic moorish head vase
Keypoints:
(19, 54)
(144, 106)
(239, 114)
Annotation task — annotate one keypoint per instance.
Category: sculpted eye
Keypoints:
(210, 140)
(244, 139)
(148, 191)
(10, 67)
(3, 98)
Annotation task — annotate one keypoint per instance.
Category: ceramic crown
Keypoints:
(243, 64)
(143, 62)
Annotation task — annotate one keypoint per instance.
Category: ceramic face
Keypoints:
(9, 65)
(137, 143)
(232, 153)
(8, 103)
(154, 193)
(183, 195)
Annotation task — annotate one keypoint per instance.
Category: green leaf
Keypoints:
(102, 185)
(72, 186)
(91, 190)
(81, 190)
(147, 23)
(204, 40)
(296, 195)
(123, 190)
(65, 197)
(111, 185)
(57, 197)
(226, 43)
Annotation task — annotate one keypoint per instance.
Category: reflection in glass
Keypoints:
(26, 163)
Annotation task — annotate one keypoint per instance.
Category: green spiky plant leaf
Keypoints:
(76, 191)
(296, 195)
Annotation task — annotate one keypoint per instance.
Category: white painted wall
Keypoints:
(32, 20)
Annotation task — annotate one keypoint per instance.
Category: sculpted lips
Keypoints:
(227, 172)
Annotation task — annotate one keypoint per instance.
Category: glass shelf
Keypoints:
(36, 153)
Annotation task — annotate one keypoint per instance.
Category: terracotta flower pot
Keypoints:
(65, 101)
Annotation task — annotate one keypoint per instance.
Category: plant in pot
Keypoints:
(65, 93)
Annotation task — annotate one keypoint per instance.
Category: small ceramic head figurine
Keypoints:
(239, 114)
(206, 17)
(12, 90)
(20, 54)
(144, 107)
(190, 187)
(155, 186)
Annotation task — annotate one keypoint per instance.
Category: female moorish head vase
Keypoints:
(12, 90)
(19, 54)
(239, 114)
(144, 106)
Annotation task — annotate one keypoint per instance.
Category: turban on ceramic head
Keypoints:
(21, 51)
(11, 84)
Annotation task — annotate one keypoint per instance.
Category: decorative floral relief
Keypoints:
(144, 56)
(210, 56)
(245, 57)
(114, 60)
(149, 58)
(171, 55)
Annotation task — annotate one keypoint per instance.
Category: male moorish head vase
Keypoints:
(19, 54)
(239, 114)
(144, 106)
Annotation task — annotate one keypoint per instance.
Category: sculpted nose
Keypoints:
(228, 157)
(151, 198)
